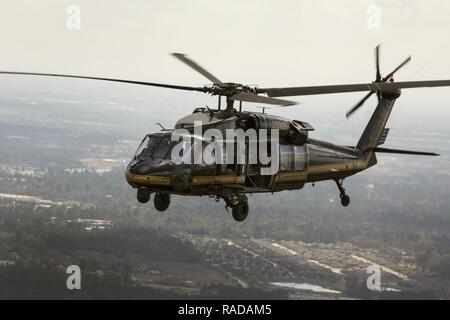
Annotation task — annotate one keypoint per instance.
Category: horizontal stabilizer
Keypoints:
(417, 153)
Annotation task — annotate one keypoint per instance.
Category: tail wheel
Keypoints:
(345, 200)
(161, 201)
(240, 211)
(143, 195)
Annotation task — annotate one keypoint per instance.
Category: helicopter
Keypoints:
(301, 159)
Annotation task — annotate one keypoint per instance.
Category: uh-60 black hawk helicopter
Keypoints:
(301, 159)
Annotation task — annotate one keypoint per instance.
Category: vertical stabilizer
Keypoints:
(375, 130)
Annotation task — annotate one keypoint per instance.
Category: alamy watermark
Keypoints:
(374, 280)
(373, 17)
(211, 147)
(74, 280)
(73, 20)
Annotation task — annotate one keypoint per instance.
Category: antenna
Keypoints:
(420, 69)
(159, 124)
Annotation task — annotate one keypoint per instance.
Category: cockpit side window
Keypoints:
(142, 146)
(155, 147)
(163, 148)
(152, 146)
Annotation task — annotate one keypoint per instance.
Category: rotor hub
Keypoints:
(229, 89)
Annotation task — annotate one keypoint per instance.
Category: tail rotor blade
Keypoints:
(377, 63)
(379, 79)
(396, 69)
(359, 105)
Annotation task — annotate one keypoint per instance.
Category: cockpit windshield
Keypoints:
(156, 147)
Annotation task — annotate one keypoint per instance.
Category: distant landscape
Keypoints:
(64, 200)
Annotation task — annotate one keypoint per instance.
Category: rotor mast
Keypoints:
(230, 105)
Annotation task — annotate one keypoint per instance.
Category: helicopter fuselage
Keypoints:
(321, 161)
(301, 160)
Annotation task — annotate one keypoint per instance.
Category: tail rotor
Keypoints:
(378, 79)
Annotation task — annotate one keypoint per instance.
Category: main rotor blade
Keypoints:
(248, 97)
(359, 104)
(377, 63)
(194, 65)
(305, 91)
(396, 69)
(153, 84)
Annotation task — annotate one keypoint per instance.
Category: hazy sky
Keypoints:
(270, 43)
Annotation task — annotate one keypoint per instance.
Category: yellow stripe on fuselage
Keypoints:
(149, 180)
(290, 176)
(202, 180)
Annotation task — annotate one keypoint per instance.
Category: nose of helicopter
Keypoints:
(148, 167)
(146, 172)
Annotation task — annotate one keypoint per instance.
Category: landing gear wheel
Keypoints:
(238, 203)
(143, 195)
(161, 201)
(345, 200)
(240, 212)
